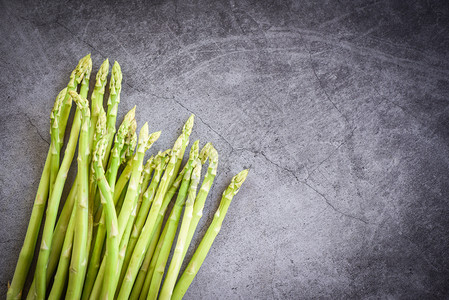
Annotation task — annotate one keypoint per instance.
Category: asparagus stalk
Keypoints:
(147, 199)
(59, 236)
(111, 224)
(54, 133)
(202, 195)
(147, 231)
(78, 75)
(94, 262)
(98, 94)
(200, 254)
(100, 131)
(64, 261)
(175, 264)
(52, 209)
(191, 179)
(137, 287)
(130, 201)
(78, 262)
(115, 88)
(27, 251)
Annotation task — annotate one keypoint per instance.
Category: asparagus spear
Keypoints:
(64, 261)
(98, 94)
(94, 262)
(175, 264)
(147, 199)
(54, 134)
(138, 284)
(115, 88)
(200, 254)
(53, 204)
(202, 195)
(111, 224)
(147, 231)
(61, 273)
(145, 143)
(78, 262)
(174, 219)
(27, 251)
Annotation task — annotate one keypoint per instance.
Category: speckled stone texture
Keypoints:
(340, 109)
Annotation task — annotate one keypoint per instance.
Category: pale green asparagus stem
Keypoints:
(29, 244)
(100, 131)
(202, 195)
(94, 261)
(53, 205)
(175, 264)
(98, 94)
(186, 131)
(115, 88)
(111, 224)
(79, 259)
(131, 194)
(146, 262)
(64, 262)
(148, 229)
(61, 274)
(128, 126)
(160, 217)
(130, 201)
(54, 134)
(59, 236)
(147, 199)
(189, 186)
(82, 71)
(200, 254)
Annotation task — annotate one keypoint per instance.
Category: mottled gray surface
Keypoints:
(339, 108)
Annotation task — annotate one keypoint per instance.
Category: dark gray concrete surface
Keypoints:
(340, 108)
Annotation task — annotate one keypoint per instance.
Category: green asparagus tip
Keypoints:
(84, 68)
(143, 134)
(116, 79)
(81, 102)
(197, 170)
(102, 73)
(177, 146)
(165, 153)
(239, 179)
(187, 129)
(204, 154)
(55, 112)
(213, 155)
(101, 122)
(133, 127)
(194, 150)
(153, 137)
(130, 115)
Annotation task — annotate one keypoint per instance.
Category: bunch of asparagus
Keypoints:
(110, 240)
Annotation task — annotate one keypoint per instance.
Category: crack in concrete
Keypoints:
(202, 121)
(37, 129)
(82, 40)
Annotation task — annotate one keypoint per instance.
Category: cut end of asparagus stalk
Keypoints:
(102, 73)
